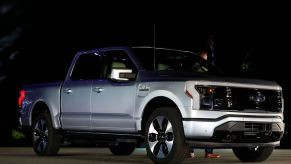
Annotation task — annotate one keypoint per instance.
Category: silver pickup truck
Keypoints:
(167, 100)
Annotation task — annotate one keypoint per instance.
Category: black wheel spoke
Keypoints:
(152, 137)
(156, 125)
(157, 149)
(39, 144)
(165, 149)
(164, 124)
(170, 136)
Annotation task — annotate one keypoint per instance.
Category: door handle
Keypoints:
(98, 89)
(68, 91)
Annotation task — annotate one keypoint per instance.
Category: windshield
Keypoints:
(173, 60)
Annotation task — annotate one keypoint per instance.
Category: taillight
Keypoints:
(21, 97)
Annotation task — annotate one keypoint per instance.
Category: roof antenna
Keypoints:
(154, 47)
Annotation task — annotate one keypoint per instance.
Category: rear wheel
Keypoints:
(164, 136)
(252, 154)
(122, 148)
(45, 140)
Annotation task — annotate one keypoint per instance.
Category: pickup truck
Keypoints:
(164, 99)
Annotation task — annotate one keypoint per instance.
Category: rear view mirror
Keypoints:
(122, 74)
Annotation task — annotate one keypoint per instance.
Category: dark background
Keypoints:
(38, 41)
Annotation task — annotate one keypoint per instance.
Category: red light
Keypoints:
(21, 97)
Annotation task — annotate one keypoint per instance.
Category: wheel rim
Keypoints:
(40, 135)
(160, 137)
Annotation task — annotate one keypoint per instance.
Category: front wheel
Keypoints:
(164, 136)
(44, 139)
(252, 154)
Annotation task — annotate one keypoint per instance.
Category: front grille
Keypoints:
(232, 98)
(255, 127)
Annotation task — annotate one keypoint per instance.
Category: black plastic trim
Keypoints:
(226, 116)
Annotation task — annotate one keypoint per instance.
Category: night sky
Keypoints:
(38, 41)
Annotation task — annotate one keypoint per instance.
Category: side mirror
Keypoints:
(122, 74)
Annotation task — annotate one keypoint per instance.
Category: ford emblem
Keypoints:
(257, 98)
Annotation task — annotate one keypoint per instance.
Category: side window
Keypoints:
(199, 67)
(87, 67)
(117, 59)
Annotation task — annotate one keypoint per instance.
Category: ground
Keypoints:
(25, 155)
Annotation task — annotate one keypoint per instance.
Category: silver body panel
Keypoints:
(47, 93)
(113, 107)
(76, 106)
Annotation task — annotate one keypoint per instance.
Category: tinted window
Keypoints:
(87, 67)
(173, 60)
(145, 57)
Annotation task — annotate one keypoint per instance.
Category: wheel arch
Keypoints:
(155, 103)
(39, 108)
(46, 104)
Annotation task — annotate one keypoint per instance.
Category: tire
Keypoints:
(122, 148)
(44, 139)
(252, 154)
(164, 136)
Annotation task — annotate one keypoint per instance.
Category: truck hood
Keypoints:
(178, 76)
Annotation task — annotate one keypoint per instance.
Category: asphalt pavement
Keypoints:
(25, 155)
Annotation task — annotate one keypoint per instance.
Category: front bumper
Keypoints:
(242, 132)
(235, 129)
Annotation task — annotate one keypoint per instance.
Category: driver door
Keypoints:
(113, 101)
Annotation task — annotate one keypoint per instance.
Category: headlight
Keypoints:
(206, 96)
(215, 98)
